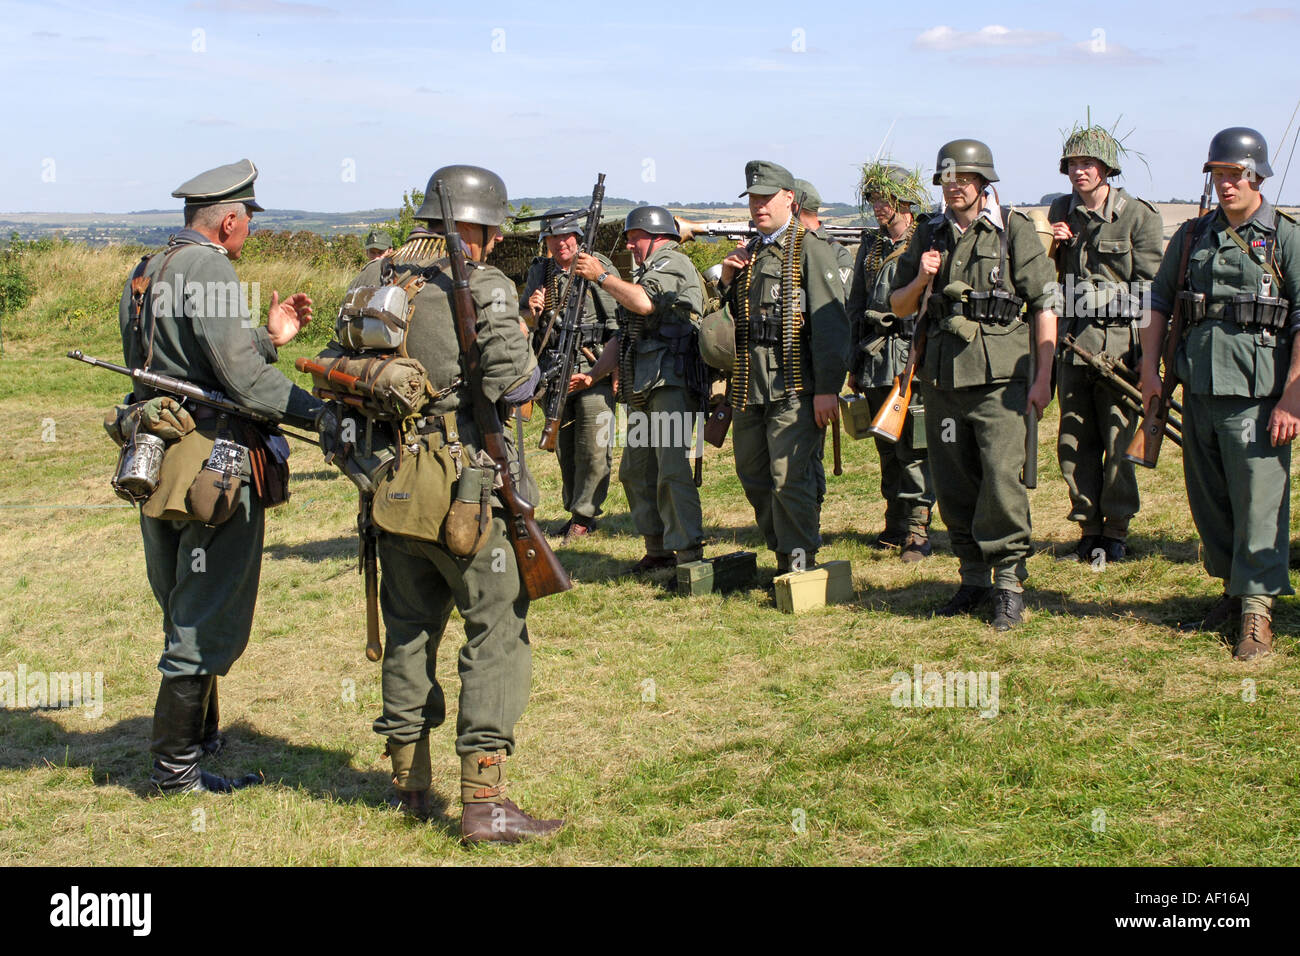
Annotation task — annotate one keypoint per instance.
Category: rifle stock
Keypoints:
(889, 421)
(539, 569)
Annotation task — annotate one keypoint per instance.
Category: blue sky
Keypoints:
(344, 105)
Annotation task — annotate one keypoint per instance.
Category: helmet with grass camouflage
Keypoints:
(964, 156)
(1239, 146)
(655, 220)
(895, 183)
(1092, 142)
(478, 195)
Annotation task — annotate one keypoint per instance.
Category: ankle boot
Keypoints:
(488, 817)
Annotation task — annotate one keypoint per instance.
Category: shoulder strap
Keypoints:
(145, 286)
(1265, 263)
(1004, 239)
(1059, 209)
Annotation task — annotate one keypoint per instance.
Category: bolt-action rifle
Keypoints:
(539, 568)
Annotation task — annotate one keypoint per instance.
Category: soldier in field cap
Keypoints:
(807, 203)
(792, 344)
(206, 338)
(378, 244)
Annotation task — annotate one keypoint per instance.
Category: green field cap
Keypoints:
(806, 195)
(764, 179)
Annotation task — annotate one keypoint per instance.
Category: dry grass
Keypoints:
(768, 739)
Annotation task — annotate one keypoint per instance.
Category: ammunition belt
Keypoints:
(1248, 309)
(994, 308)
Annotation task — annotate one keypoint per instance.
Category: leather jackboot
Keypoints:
(214, 741)
(178, 724)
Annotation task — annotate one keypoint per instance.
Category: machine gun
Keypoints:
(746, 229)
(573, 301)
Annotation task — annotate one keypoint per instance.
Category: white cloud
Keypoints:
(946, 38)
(1272, 14)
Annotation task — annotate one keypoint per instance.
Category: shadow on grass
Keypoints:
(119, 755)
(328, 549)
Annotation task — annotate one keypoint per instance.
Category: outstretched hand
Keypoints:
(284, 320)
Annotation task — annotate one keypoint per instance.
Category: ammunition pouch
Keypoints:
(1254, 311)
(1193, 306)
(766, 327)
(1248, 309)
(995, 307)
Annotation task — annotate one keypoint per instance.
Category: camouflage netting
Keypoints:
(889, 179)
(1094, 142)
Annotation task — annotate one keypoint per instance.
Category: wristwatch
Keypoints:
(600, 279)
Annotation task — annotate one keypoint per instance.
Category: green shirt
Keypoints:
(1217, 356)
(676, 291)
(599, 315)
(204, 333)
(823, 346)
(1120, 243)
(994, 353)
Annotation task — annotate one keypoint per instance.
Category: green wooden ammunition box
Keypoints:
(726, 572)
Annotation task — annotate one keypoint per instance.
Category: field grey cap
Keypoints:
(766, 179)
(378, 240)
(233, 183)
(806, 195)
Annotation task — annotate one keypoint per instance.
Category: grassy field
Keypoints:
(666, 730)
